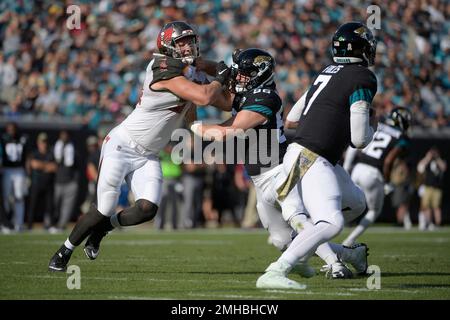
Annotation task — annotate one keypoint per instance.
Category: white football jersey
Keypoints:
(158, 113)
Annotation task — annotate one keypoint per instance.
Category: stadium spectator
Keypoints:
(93, 158)
(433, 167)
(170, 196)
(14, 188)
(42, 168)
(245, 186)
(66, 179)
(224, 193)
(193, 182)
(104, 59)
(401, 196)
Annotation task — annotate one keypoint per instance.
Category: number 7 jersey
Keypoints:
(384, 140)
(325, 120)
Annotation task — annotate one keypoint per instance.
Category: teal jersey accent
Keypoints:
(361, 94)
(264, 110)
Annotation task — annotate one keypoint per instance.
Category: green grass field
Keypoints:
(217, 264)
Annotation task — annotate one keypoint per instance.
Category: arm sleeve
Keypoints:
(364, 90)
(360, 129)
(297, 109)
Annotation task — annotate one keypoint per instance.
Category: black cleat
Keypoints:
(92, 246)
(60, 259)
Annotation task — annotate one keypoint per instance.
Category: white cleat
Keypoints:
(356, 255)
(304, 270)
(275, 278)
(338, 270)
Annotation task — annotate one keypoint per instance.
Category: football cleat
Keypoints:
(304, 270)
(92, 246)
(275, 278)
(338, 270)
(356, 255)
(60, 259)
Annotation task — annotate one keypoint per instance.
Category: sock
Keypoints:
(368, 219)
(69, 245)
(114, 220)
(85, 225)
(308, 240)
(327, 253)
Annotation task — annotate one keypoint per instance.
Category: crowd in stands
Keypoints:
(94, 74)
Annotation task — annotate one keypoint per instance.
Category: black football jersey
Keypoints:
(13, 151)
(325, 121)
(384, 140)
(267, 150)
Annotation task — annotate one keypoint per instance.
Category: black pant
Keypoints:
(41, 194)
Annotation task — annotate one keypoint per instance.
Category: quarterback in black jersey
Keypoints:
(374, 164)
(334, 113)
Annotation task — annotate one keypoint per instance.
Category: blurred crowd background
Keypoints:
(92, 76)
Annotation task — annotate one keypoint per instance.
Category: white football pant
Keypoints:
(120, 159)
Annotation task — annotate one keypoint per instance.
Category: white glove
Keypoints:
(388, 188)
(209, 134)
(196, 128)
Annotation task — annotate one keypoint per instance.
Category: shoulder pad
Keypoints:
(165, 68)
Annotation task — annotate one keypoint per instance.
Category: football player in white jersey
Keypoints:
(130, 151)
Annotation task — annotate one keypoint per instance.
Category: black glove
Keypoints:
(222, 72)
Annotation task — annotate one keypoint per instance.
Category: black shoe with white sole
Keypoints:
(60, 259)
(92, 246)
